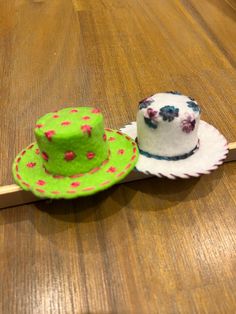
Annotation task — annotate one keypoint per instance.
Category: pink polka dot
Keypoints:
(18, 176)
(39, 126)
(69, 156)
(74, 110)
(111, 170)
(22, 153)
(41, 182)
(104, 137)
(75, 184)
(111, 139)
(55, 116)
(17, 168)
(55, 192)
(31, 164)
(95, 110)
(133, 157)
(49, 134)
(90, 155)
(134, 150)
(86, 118)
(121, 151)
(86, 129)
(37, 151)
(18, 159)
(45, 156)
(66, 123)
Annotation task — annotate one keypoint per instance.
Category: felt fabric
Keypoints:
(72, 140)
(167, 124)
(112, 153)
(211, 153)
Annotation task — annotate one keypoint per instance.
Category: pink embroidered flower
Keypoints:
(86, 118)
(95, 110)
(188, 124)
(55, 116)
(121, 151)
(111, 139)
(41, 182)
(31, 164)
(49, 134)
(65, 123)
(111, 170)
(74, 110)
(151, 113)
(86, 129)
(75, 184)
(90, 155)
(104, 137)
(69, 156)
(150, 118)
(37, 151)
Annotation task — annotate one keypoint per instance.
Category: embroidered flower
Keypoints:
(168, 113)
(194, 106)
(173, 92)
(150, 118)
(188, 124)
(145, 103)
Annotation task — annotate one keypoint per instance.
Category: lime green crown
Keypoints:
(72, 140)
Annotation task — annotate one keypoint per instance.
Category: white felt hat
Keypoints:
(173, 141)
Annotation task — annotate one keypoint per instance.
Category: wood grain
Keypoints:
(155, 246)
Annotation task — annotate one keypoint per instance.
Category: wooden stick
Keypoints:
(13, 195)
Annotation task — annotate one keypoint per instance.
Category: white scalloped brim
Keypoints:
(211, 153)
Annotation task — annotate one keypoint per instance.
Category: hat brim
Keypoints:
(211, 153)
(29, 173)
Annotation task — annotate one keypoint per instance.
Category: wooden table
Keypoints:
(154, 246)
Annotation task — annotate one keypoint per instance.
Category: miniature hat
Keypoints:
(173, 141)
(74, 155)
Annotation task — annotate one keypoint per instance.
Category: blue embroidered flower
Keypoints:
(188, 124)
(145, 103)
(194, 106)
(174, 93)
(168, 113)
(150, 123)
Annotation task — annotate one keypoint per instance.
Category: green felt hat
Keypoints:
(74, 155)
